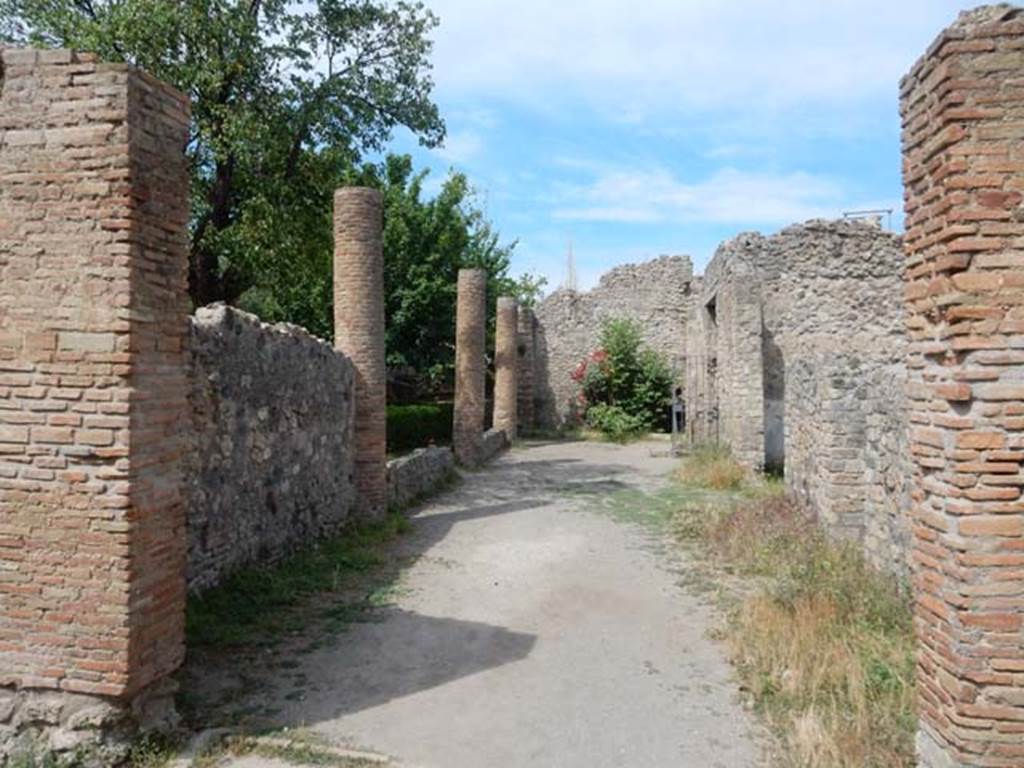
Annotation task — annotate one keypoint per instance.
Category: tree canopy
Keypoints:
(288, 98)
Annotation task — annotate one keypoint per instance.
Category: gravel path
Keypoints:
(532, 630)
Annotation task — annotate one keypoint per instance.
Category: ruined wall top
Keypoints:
(987, 20)
(799, 246)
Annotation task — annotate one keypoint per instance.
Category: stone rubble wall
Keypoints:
(724, 378)
(417, 475)
(271, 465)
(796, 357)
(569, 327)
(494, 442)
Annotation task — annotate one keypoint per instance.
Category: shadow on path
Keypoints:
(353, 648)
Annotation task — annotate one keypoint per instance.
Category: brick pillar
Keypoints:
(359, 332)
(93, 322)
(506, 364)
(963, 142)
(525, 372)
(470, 366)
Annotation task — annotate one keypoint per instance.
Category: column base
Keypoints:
(931, 753)
(81, 730)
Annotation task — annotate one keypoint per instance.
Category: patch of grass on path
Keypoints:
(823, 642)
(256, 603)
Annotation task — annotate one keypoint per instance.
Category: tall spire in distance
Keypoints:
(571, 283)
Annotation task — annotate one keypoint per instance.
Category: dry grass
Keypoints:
(823, 643)
(713, 467)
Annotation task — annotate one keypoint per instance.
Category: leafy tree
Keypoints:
(286, 96)
(426, 242)
(529, 288)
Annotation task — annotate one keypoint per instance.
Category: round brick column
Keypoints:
(506, 366)
(359, 332)
(470, 366)
(526, 342)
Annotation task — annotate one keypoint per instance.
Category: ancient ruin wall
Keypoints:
(419, 474)
(93, 217)
(270, 468)
(795, 359)
(569, 327)
(963, 141)
(833, 305)
(724, 379)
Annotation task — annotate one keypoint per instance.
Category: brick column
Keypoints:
(527, 341)
(359, 332)
(506, 364)
(93, 321)
(963, 143)
(470, 366)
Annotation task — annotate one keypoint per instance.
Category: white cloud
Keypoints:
(728, 196)
(461, 147)
(635, 60)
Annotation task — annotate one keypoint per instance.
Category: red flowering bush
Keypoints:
(623, 386)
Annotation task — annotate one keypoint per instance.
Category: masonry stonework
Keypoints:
(963, 140)
(272, 455)
(419, 474)
(796, 361)
(93, 221)
(359, 332)
(470, 367)
(569, 324)
(506, 364)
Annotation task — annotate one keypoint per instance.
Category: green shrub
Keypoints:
(416, 426)
(614, 423)
(623, 373)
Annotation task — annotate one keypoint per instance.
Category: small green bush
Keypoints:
(614, 423)
(625, 375)
(416, 426)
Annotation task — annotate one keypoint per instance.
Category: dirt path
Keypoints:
(532, 629)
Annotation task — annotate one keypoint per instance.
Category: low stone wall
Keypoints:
(418, 475)
(271, 463)
(495, 441)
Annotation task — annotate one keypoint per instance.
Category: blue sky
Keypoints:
(666, 126)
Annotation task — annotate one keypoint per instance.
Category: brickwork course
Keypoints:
(93, 218)
(506, 364)
(470, 367)
(359, 332)
(962, 107)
